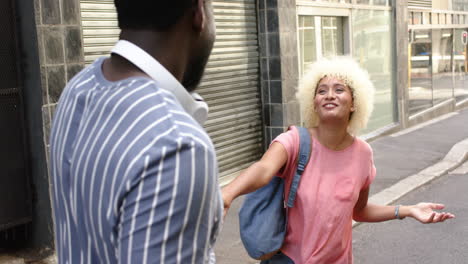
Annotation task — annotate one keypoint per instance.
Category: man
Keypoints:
(134, 173)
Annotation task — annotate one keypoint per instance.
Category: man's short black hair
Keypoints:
(157, 15)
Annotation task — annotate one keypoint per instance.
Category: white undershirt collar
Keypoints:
(191, 102)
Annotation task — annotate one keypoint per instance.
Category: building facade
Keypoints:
(415, 53)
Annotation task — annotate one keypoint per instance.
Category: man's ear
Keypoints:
(199, 16)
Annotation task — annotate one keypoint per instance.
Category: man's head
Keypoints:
(193, 18)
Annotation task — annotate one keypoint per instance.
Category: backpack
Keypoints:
(262, 217)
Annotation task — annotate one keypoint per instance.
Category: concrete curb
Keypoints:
(7, 259)
(454, 158)
(51, 260)
(463, 169)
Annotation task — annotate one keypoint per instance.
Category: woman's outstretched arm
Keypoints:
(423, 212)
(257, 175)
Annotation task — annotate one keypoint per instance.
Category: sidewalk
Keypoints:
(396, 157)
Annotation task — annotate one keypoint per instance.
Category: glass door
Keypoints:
(319, 36)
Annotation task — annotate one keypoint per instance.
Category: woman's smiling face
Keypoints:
(333, 99)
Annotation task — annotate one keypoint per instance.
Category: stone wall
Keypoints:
(278, 65)
(59, 42)
(60, 50)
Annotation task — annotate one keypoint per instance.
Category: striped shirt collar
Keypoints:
(191, 102)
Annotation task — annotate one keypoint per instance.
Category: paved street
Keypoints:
(408, 241)
(229, 248)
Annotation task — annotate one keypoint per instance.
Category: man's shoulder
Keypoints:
(158, 117)
(183, 131)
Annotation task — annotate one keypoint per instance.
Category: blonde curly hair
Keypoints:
(347, 70)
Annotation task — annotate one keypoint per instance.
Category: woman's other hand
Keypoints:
(424, 213)
(227, 202)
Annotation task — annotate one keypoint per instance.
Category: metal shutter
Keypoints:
(420, 3)
(15, 188)
(230, 85)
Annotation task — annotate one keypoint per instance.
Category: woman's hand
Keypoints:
(424, 213)
(226, 201)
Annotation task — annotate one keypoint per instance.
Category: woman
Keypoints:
(336, 98)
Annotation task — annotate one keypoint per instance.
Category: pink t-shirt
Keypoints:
(320, 223)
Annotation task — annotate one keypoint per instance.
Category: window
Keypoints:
(442, 41)
(374, 2)
(373, 49)
(334, 1)
(307, 42)
(420, 83)
(319, 37)
(417, 18)
(460, 58)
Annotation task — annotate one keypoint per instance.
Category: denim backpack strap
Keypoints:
(302, 160)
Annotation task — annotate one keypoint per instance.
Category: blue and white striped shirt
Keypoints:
(134, 176)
